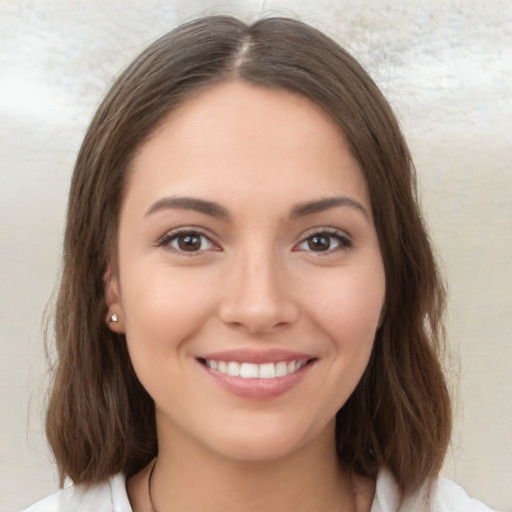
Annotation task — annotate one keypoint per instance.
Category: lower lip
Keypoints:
(258, 389)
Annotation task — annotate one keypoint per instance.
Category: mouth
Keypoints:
(249, 370)
(257, 375)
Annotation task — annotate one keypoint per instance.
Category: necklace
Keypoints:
(150, 477)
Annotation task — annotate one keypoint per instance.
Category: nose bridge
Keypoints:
(256, 296)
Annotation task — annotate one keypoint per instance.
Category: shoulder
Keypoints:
(450, 496)
(108, 496)
(441, 495)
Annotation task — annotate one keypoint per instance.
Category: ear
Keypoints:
(115, 314)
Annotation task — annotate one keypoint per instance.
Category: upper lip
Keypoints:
(274, 355)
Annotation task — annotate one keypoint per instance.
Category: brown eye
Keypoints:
(187, 242)
(325, 242)
(319, 242)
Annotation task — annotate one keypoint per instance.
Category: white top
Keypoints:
(110, 496)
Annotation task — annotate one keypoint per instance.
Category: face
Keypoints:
(249, 279)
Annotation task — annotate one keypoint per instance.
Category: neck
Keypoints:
(190, 478)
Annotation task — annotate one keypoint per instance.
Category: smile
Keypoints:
(255, 371)
(257, 374)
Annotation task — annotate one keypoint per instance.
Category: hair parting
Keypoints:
(100, 419)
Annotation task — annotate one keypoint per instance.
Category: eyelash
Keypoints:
(342, 240)
(173, 236)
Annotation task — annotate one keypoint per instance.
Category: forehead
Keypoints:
(236, 139)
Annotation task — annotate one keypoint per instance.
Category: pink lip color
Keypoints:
(257, 356)
(258, 389)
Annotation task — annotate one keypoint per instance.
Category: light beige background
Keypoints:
(446, 68)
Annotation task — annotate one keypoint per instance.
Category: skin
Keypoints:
(255, 279)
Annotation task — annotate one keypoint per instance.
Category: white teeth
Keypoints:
(255, 371)
(281, 369)
(233, 369)
(267, 371)
(249, 371)
(212, 364)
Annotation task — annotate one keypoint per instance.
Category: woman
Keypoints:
(249, 311)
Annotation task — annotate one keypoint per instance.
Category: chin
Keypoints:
(254, 452)
(268, 443)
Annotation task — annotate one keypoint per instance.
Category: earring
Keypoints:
(113, 318)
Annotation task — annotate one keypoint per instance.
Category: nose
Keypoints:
(258, 297)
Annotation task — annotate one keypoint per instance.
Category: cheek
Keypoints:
(348, 308)
(163, 308)
(355, 297)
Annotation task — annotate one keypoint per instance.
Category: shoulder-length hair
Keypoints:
(100, 419)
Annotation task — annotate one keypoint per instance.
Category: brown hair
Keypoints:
(100, 419)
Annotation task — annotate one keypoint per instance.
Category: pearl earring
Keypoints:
(113, 318)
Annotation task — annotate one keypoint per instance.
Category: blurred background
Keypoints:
(445, 66)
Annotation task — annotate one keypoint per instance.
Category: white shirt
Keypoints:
(110, 496)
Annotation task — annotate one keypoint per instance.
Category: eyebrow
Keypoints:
(327, 203)
(188, 203)
(216, 210)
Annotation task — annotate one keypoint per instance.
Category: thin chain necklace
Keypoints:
(150, 477)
